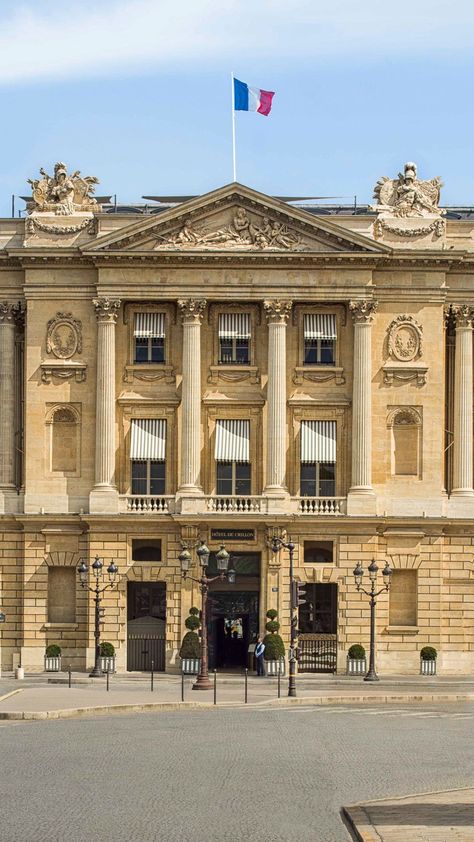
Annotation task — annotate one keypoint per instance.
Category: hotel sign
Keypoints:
(232, 535)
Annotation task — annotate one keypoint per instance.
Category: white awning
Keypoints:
(234, 325)
(148, 439)
(318, 441)
(320, 326)
(149, 326)
(232, 441)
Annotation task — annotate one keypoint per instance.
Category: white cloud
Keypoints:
(70, 40)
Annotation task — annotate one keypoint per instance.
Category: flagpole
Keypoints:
(234, 159)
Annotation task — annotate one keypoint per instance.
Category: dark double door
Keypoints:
(317, 622)
(146, 624)
(232, 626)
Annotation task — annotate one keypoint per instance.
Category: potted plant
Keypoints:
(274, 654)
(107, 657)
(52, 658)
(428, 657)
(190, 651)
(356, 663)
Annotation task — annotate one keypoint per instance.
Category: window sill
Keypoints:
(402, 629)
(233, 373)
(68, 626)
(319, 374)
(149, 372)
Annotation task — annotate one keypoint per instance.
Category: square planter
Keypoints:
(275, 667)
(428, 667)
(190, 666)
(107, 663)
(52, 664)
(356, 666)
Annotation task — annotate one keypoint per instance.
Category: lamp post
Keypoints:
(222, 557)
(83, 571)
(276, 545)
(372, 594)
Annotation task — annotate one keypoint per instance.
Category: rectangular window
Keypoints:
(318, 615)
(318, 552)
(319, 339)
(232, 455)
(234, 339)
(149, 337)
(403, 596)
(318, 479)
(318, 458)
(147, 455)
(62, 594)
(233, 478)
(148, 476)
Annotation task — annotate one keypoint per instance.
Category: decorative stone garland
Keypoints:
(437, 225)
(89, 223)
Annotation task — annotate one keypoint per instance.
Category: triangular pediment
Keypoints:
(236, 219)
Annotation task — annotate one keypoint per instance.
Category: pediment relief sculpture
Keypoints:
(62, 194)
(405, 339)
(64, 336)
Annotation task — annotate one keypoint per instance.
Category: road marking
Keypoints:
(381, 711)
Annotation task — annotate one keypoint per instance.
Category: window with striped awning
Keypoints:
(320, 326)
(149, 326)
(318, 441)
(234, 325)
(232, 441)
(148, 439)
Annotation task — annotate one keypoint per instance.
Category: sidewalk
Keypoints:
(433, 817)
(47, 696)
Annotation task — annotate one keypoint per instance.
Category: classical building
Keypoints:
(230, 367)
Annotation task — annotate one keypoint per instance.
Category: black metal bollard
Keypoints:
(69, 677)
(215, 687)
(107, 674)
(246, 679)
(152, 665)
(182, 686)
(279, 682)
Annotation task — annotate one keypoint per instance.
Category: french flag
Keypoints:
(252, 99)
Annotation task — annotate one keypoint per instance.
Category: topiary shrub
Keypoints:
(428, 653)
(53, 650)
(107, 650)
(192, 623)
(195, 611)
(191, 643)
(274, 646)
(356, 652)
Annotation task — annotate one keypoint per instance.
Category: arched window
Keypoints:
(406, 442)
(64, 449)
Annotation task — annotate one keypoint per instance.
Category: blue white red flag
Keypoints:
(252, 99)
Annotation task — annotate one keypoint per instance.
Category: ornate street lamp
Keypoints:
(222, 558)
(97, 568)
(372, 594)
(276, 544)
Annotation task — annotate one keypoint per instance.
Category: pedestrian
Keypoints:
(259, 650)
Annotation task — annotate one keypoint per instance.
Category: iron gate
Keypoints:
(317, 653)
(142, 649)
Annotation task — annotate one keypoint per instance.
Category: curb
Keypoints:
(156, 707)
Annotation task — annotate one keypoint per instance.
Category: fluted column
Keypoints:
(463, 403)
(361, 484)
(8, 317)
(191, 314)
(104, 495)
(277, 313)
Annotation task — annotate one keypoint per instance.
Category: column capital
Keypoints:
(277, 312)
(363, 311)
(11, 314)
(192, 310)
(462, 314)
(106, 309)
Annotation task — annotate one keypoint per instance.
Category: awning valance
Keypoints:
(232, 441)
(149, 326)
(320, 326)
(234, 325)
(318, 441)
(148, 439)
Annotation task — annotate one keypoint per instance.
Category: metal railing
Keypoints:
(147, 503)
(322, 505)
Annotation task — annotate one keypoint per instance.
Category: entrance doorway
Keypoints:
(146, 623)
(317, 623)
(233, 613)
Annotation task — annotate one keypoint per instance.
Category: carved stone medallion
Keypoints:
(405, 339)
(64, 336)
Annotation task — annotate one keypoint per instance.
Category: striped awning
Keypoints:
(318, 441)
(148, 439)
(320, 326)
(232, 441)
(234, 326)
(149, 326)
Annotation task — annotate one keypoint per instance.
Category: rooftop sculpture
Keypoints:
(407, 195)
(63, 194)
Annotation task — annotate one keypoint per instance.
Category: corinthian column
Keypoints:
(104, 497)
(277, 316)
(462, 440)
(361, 485)
(191, 314)
(8, 317)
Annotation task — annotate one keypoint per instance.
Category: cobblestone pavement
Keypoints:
(224, 775)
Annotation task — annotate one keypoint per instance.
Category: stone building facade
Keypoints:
(230, 368)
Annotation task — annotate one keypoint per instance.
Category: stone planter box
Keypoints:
(275, 667)
(190, 666)
(356, 666)
(427, 667)
(107, 663)
(52, 664)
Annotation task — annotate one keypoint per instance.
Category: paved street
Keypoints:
(224, 775)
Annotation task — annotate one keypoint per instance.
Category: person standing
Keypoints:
(259, 651)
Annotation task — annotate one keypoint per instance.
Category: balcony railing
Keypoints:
(147, 503)
(241, 505)
(322, 505)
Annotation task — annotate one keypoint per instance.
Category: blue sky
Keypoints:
(137, 92)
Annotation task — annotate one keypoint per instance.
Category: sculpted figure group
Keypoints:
(241, 232)
(63, 194)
